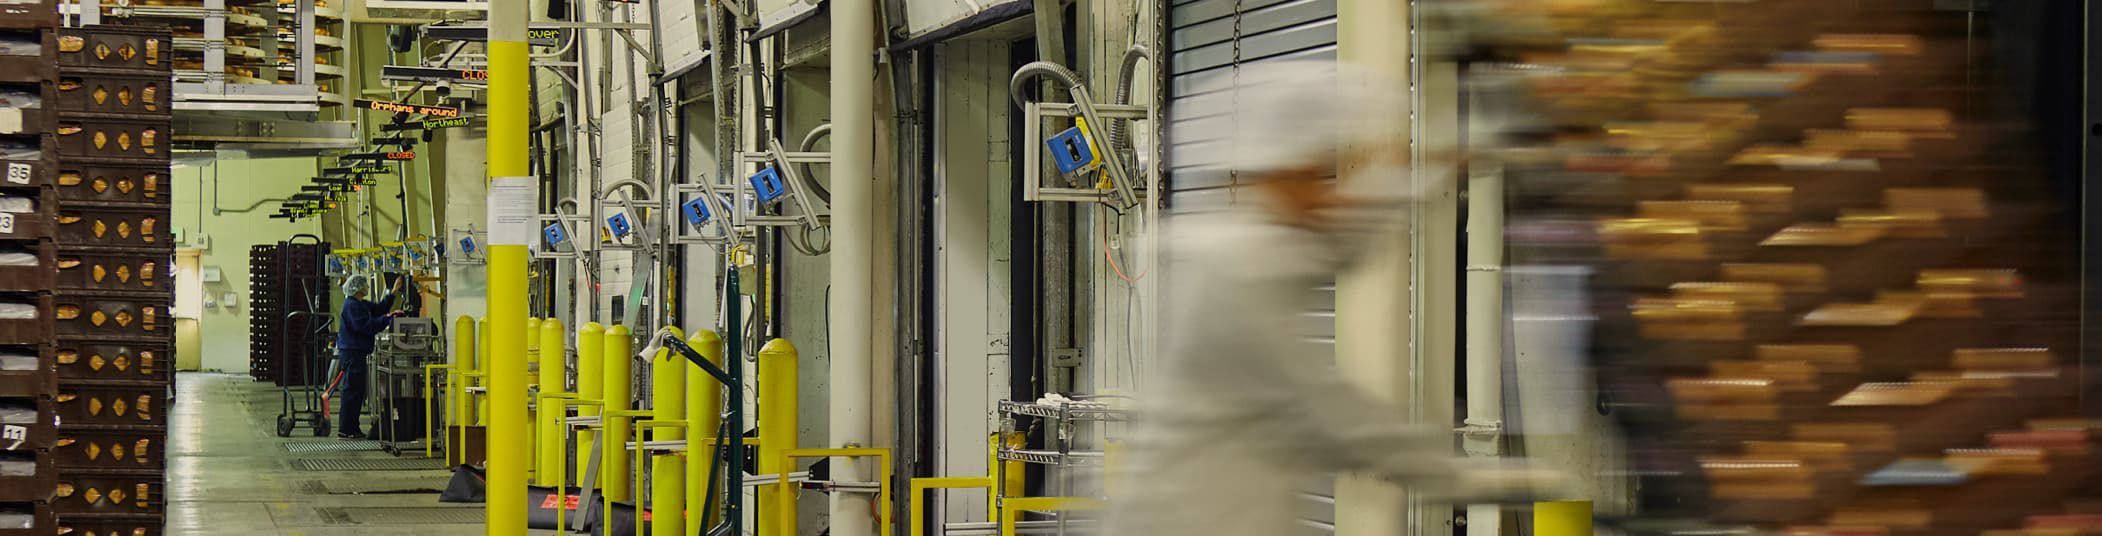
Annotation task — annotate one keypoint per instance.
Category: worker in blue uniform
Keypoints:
(360, 321)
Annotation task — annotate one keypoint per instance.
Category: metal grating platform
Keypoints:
(367, 464)
(332, 446)
(373, 486)
(402, 515)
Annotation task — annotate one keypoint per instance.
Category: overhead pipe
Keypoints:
(853, 66)
(510, 78)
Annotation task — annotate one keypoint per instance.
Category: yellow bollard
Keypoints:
(591, 351)
(457, 407)
(1015, 475)
(668, 472)
(1562, 518)
(704, 413)
(553, 379)
(481, 364)
(532, 359)
(613, 462)
(777, 432)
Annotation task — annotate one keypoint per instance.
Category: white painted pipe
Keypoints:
(1485, 330)
(853, 265)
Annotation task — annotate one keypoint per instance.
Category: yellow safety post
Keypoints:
(614, 427)
(532, 359)
(1013, 473)
(918, 499)
(430, 416)
(591, 350)
(704, 413)
(668, 472)
(481, 373)
(1016, 505)
(1562, 518)
(510, 179)
(459, 411)
(553, 376)
(777, 433)
(785, 459)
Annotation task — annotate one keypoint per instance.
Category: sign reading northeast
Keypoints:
(402, 107)
(427, 124)
(432, 74)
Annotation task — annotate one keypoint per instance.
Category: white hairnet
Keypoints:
(354, 285)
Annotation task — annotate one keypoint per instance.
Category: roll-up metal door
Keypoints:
(1209, 43)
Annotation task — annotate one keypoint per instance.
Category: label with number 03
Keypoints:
(7, 223)
(19, 173)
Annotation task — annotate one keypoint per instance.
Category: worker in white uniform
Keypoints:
(1241, 412)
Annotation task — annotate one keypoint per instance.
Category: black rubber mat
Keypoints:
(402, 515)
(332, 446)
(365, 486)
(367, 464)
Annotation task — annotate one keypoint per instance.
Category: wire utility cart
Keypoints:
(1064, 420)
(397, 375)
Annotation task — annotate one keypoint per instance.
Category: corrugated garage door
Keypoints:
(1209, 42)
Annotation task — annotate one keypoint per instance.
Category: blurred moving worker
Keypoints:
(1242, 411)
(360, 321)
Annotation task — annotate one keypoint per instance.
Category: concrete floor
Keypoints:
(229, 473)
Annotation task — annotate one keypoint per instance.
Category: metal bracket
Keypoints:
(683, 231)
(1121, 191)
(571, 224)
(783, 162)
(459, 250)
(1481, 438)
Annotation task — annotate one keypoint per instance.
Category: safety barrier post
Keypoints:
(778, 389)
(1562, 518)
(553, 376)
(704, 407)
(459, 414)
(668, 472)
(615, 427)
(591, 351)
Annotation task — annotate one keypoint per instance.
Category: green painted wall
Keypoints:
(227, 203)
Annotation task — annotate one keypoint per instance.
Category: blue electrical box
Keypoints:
(555, 234)
(619, 225)
(696, 210)
(768, 185)
(1071, 151)
(467, 245)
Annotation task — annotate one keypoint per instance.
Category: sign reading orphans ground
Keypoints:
(407, 108)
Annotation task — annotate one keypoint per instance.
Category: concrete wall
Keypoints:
(230, 201)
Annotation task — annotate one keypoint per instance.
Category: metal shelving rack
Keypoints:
(238, 55)
(1064, 421)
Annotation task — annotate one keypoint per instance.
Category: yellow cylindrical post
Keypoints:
(553, 379)
(532, 359)
(458, 411)
(1562, 518)
(613, 462)
(591, 351)
(510, 229)
(481, 364)
(1011, 481)
(704, 413)
(668, 472)
(777, 431)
